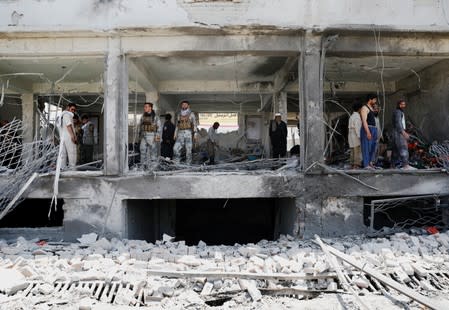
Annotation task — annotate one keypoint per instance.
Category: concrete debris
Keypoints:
(174, 275)
(88, 238)
(12, 281)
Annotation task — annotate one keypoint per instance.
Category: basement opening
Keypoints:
(34, 213)
(214, 221)
(403, 212)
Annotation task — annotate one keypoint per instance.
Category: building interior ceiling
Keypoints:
(223, 83)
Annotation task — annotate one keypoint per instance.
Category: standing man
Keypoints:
(400, 137)
(185, 133)
(150, 134)
(278, 136)
(87, 147)
(212, 142)
(68, 136)
(354, 125)
(368, 132)
(168, 133)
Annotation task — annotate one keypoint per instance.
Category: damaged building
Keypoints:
(243, 60)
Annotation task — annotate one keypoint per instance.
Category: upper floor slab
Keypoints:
(110, 15)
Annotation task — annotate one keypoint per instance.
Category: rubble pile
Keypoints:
(174, 275)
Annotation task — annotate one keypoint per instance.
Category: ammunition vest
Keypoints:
(184, 123)
(148, 124)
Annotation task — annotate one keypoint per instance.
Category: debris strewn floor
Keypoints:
(97, 273)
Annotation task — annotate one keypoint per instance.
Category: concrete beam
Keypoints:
(403, 44)
(198, 45)
(18, 86)
(266, 103)
(44, 46)
(349, 87)
(214, 87)
(69, 88)
(282, 77)
(144, 77)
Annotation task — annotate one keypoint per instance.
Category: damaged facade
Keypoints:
(253, 58)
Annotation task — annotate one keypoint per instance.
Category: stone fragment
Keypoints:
(45, 289)
(86, 303)
(218, 256)
(401, 275)
(189, 260)
(207, 289)
(124, 297)
(362, 283)
(104, 244)
(251, 288)
(420, 271)
(27, 271)
(218, 284)
(88, 239)
(166, 291)
(167, 238)
(12, 281)
(426, 285)
(332, 286)
(408, 269)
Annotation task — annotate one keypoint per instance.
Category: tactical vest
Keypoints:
(184, 123)
(148, 124)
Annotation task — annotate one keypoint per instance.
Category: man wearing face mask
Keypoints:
(185, 133)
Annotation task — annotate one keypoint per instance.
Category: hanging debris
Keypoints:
(21, 162)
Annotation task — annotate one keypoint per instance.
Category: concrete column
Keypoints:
(28, 121)
(153, 97)
(281, 99)
(312, 131)
(28, 117)
(115, 110)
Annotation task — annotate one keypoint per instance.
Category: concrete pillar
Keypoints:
(28, 121)
(153, 97)
(281, 103)
(28, 117)
(115, 110)
(312, 131)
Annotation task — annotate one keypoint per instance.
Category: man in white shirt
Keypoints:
(354, 126)
(68, 137)
(212, 142)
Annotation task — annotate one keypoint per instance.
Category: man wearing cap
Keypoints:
(185, 133)
(212, 142)
(278, 136)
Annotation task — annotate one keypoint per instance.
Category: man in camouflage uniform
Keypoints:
(150, 134)
(186, 129)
